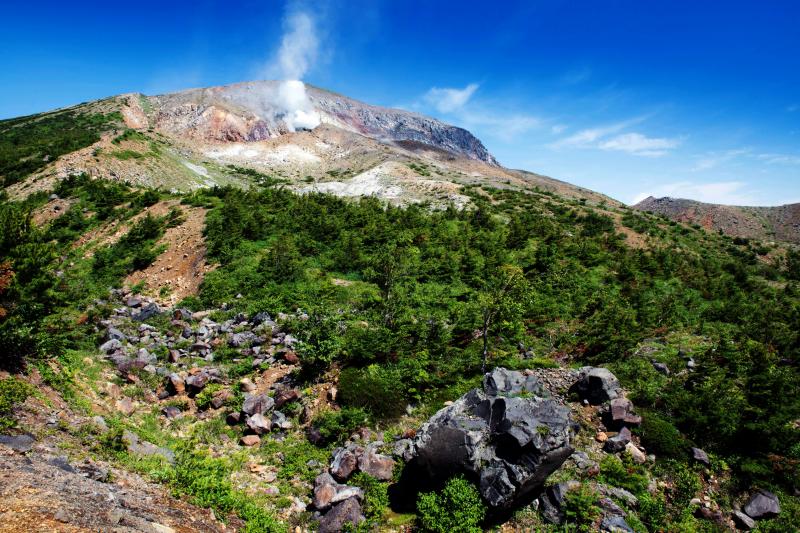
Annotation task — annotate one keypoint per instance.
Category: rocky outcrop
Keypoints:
(505, 435)
(596, 385)
(763, 504)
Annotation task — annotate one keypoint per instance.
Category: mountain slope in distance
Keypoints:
(780, 223)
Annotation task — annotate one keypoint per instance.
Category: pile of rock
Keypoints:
(337, 504)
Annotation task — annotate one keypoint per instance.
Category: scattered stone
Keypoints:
(618, 442)
(344, 463)
(176, 384)
(551, 502)
(327, 491)
(233, 418)
(250, 440)
(763, 504)
(512, 444)
(220, 397)
(601, 436)
(280, 421)
(700, 456)
(743, 521)
(18, 443)
(147, 312)
(258, 424)
(257, 404)
(142, 447)
(615, 524)
(291, 357)
(376, 465)
(100, 423)
(125, 406)
(343, 515)
(610, 508)
(285, 396)
(196, 383)
(171, 412)
(636, 454)
(111, 346)
(597, 385)
(247, 385)
(620, 413)
(661, 368)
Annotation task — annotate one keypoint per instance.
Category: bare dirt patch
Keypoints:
(179, 271)
(51, 210)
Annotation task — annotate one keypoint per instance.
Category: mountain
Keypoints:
(310, 138)
(780, 223)
(177, 356)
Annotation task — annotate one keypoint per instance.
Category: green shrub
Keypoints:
(378, 389)
(376, 496)
(653, 511)
(336, 426)
(626, 475)
(12, 392)
(580, 508)
(457, 508)
(660, 436)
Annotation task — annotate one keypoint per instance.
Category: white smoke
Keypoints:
(298, 52)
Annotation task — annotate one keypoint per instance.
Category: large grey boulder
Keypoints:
(763, 504)
(597, 385)
(505, 434)
(346, 514)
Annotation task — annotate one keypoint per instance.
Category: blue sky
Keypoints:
(630, 98)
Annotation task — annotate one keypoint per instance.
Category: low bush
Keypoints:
(661, 437)
(336, 426)
(580, 508)
(378, 389)
(12, 392)
(457, 508)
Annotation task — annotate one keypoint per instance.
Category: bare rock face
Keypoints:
(505, 434)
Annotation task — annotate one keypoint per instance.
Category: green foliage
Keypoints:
(661, 437)
(27, 144)
(12, 391)
(580, 508)
(378, 389)
(376, 497)
(457, 508)
(336, 426)
(206, 481)
(624, 474)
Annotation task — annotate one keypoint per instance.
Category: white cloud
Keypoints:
(558, 128)
(722, 192)
(779, 159)
(638, 144)
(714, 159)
(448, 100)
(632, 143)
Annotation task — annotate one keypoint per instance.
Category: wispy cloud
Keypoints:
(458, 106)
(712, 160)
(576, 76)
(779, 159)
(721, 192)
(448, 100)
(610, 137)
(638, 144)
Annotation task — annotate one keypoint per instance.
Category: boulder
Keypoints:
(250, 440)
(147, 312)
(636, 454)
(551, 502)
(285, 396)
(342, 516)
(327, 491)
(376, 465)
(18, 443)
(196, 383)
(233, 418)
(502, 382)
(110, 346)
(596, 385)
(220, 397)
(511, 443)
(763, 504)
(615, 524)
(258, 424)
(171, 412)
(344, 463)
(743, 521)
(617, 443)
(176, 384)
(280, 421)
(620, 413)
(114, 333)
(700, 456)
(257, 404)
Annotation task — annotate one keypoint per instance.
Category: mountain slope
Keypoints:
(204, 137)
(780, 223)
